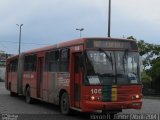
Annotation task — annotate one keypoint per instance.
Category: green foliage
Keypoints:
(147, 51)
(151, 60)
(155, 69)
(131, 37)
(146, 79)
(155, 73)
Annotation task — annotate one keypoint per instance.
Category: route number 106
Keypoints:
(96, 91)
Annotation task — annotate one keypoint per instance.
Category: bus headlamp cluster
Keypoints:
(95, 98)
(92, 98)
(136, 96)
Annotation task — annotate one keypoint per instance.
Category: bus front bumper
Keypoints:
(98, 105)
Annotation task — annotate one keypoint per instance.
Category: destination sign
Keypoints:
(111, 44)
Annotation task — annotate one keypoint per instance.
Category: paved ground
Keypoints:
(12, 106)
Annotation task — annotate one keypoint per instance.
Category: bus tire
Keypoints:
(64, 104)
(28, 96)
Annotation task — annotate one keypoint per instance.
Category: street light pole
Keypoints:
(20, 27)
(80, 30)
(109, 19)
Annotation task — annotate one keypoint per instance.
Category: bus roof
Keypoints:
(68, 43)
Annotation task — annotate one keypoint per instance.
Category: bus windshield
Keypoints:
(112, 67)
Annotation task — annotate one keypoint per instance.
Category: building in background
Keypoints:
(3, 57)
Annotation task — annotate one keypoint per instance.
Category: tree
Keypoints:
(146, 79)
(151, 62)
(147, 51)
(155, 73)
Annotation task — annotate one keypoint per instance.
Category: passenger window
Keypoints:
(30, 63)
(52, 60)
(13, 65)
(64, 60)
(57, 60)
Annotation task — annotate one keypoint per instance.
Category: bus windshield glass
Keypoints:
(112, 67)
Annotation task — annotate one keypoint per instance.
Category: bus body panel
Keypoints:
(57, 82)
(45, 87)
(125, 98)
(20, 74)
(29, 78)
(12, 80)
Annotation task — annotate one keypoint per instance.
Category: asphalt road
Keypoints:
(15, 108)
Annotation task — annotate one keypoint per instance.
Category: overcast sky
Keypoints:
(47, 22)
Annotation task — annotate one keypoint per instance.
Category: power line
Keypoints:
(24, 43)
(4, 47)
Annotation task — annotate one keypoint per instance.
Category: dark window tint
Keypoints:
(13, 65)
(52, 59)
(30, 63)
(64, 60)
(57, 60)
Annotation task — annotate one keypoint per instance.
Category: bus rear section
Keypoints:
(11, 75)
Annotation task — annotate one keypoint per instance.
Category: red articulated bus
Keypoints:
(86, 74)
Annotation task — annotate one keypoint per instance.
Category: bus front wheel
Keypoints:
(64, 104)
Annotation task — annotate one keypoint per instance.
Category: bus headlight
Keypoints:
(92, 98)
(137, 96)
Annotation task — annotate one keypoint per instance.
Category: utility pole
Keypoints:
(109, 19)
(20, 27)
(80, 30)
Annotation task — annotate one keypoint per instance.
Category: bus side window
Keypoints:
(30, 63)
(64, 60)
(13, 65)
(51, 61)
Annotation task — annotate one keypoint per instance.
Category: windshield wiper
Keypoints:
(125, 58)
(107, 56)
(106, 74)
(90, 68)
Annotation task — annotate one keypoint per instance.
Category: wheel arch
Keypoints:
(61, 93)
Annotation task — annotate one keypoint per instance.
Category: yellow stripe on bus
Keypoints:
(114, 94)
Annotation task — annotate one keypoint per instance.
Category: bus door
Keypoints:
(77, 80)
(40, 76)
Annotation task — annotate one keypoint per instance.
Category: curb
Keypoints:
(151, 97)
